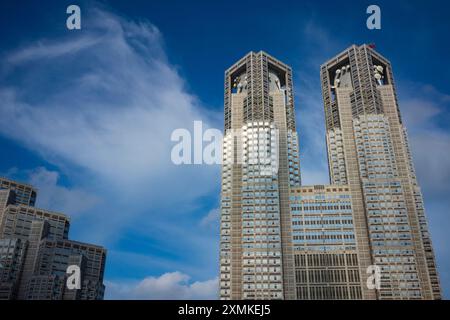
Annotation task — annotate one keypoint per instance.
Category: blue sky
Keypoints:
(87, 115)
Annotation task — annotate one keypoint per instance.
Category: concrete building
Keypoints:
(24, 193)
(368, 151)
(35, 251)
(12, 257)
(325, 253)
(260, 165)
(280, 240)
(54, 257)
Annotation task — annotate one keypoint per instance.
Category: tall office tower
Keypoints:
(368, 151)
(325, 253)
(260, 165)
(35, 252)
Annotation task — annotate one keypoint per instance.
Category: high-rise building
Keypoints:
(364, 236)
(368, 151)
(260, 165)
(35, 251)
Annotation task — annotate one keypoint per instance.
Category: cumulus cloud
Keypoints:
(173, 285)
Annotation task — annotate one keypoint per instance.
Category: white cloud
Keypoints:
(51, 195)
(211, 219)
(43, 50)
(432, 158)
(112, 107)
(417, 112)
(55, 197)
(101, 105)
(173, 285)
(424, 110)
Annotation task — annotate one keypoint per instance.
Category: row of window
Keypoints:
(329, 292)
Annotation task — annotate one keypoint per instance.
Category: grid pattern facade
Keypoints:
(17, 222)
(12, 256)
(336, 157)
(326, 259)
(35, 252)
(368, 150)
(280, 240)
(261, 242)
(51, 263)
(256, 260)
(24, 194)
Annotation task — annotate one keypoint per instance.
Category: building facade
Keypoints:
(24, 193)
(368, 150)
(260, 165)
(325, 253)
(281, 240)
(35, 251)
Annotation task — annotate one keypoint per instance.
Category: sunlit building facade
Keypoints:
(364, 236)
(260, 165)
(325, 252)
(368, 150)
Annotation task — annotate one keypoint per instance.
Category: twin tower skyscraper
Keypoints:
(365, 235)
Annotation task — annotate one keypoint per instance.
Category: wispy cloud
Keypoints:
(53, 196)
(211, 220)
(48, 50)
(112, 110)
(425, 113)
(101, 105)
